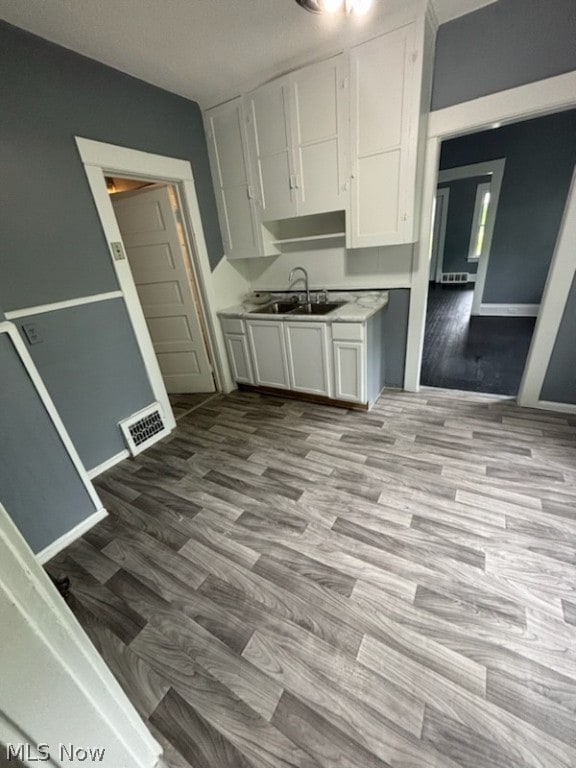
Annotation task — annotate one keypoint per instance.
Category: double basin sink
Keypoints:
(294, 308)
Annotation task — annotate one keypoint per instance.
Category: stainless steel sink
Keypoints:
(275, 308)
(317, 309)
(292, 308)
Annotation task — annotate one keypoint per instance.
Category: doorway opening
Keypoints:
(157, 249)
(499, 203)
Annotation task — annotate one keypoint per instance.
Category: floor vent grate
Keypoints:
(143, 428)
(454, 277)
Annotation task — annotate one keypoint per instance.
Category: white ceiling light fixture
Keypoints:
(357, 7)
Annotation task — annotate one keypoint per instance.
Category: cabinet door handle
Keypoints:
(292, 181)
(250, 191)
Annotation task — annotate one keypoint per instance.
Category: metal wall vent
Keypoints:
(143, 429)
(454, 277)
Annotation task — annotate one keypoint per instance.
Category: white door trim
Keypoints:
(527, 101)
(445, 195)
(92, 704)
(556, 290)
(495, 169)
(39, 309)
(99, 159)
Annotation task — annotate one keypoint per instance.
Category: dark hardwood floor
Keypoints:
(285, 584)
(475, 354)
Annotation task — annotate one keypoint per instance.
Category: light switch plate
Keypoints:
(32, 333)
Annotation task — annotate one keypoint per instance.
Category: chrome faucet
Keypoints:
(305, 278)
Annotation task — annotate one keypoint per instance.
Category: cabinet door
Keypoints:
(319, 102)
(308, 360)
(269, 132)
(268, 349)
(349, 368)
(384, 126)
(231, 174)
(239, 358)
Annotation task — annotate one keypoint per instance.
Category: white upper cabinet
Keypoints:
(385, 90)
(298, 130)
(269, 125)
(319, 127)
(231, 174)
(346, 134)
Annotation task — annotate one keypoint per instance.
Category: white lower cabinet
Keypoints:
(239, 357)
(349, 356)
(308, 359)
(268, 348)
(349, 365)
(314, 358)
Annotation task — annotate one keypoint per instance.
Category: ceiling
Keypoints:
(206, 50)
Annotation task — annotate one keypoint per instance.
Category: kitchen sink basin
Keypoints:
(317, 309)
(292, 308)
(275, 308)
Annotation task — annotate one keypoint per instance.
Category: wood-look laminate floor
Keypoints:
(285, 584)
(476, 354)
(182, 405)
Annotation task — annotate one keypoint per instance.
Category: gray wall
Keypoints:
(459, 224)
(52, 247)
(560, 382)
(394, 334)
(93, 347)
(501, 46)
(51, 243)
(39, 485)
(540, 156)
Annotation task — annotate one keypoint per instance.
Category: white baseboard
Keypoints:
(108, 464)
(75, 533)
(506, 310)
(548, 405)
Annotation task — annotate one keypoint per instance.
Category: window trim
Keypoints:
(481, 190)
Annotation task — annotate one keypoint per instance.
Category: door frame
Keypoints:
(444, 193)
(101, 159)
(527, 101)
(61, 646)
(495, 169)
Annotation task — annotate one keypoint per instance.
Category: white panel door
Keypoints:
(384, 139)
(239, 358)
(154, 246)
(320, 135)
(308, 360)
(231, 173)
(349, 368)
(268, 349)
(269, 132)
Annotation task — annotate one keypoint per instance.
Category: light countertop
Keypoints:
(359, 307)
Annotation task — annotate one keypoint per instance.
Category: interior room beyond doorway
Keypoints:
(472, 353)
(478, 333)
